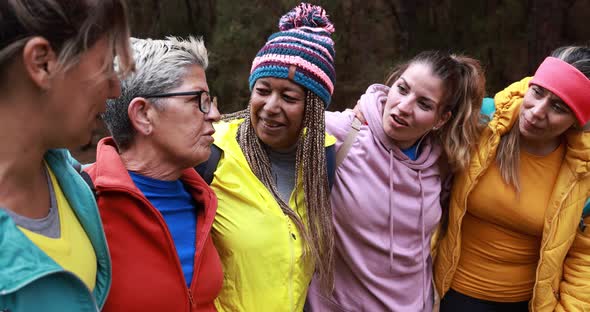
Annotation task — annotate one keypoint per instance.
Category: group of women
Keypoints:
(412, 196)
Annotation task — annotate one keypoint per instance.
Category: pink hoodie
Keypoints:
(386, 208)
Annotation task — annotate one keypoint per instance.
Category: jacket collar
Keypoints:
(110, 174)
(23, 261)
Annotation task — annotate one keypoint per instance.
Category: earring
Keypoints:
(434, 128)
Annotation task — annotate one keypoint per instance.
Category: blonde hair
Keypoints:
(464, 88)
(70, 26)
(318, 236)
(508, 154)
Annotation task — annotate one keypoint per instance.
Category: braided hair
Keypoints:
(310, 166)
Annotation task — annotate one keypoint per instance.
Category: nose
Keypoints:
(273, 103)
(405, 105)
(539, 109)
(213, 114)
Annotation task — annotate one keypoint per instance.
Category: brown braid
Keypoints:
(236, 115)
(310, 161)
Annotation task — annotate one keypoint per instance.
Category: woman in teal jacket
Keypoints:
(32, 281)
(55, 74)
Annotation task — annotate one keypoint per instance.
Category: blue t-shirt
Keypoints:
(180, 213)
(412, 151)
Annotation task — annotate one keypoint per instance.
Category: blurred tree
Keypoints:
(510, 37)
(547, 28)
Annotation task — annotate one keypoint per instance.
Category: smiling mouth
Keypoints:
(271, 124)
(399, 120)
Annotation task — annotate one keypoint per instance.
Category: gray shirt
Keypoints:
(46, 226)
(283, 171)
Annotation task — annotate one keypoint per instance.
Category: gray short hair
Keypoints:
(160, 66)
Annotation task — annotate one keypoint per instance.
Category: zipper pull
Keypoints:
(190, 298)
(293, 235)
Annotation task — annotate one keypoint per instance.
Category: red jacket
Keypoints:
(147, 275)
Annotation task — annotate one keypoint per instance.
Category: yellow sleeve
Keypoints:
(575, 285)
(515, 90)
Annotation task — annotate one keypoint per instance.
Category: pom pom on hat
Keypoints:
(302, 51)
(306, 15)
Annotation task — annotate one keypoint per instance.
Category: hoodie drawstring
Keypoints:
(423, 239)
(390, 212)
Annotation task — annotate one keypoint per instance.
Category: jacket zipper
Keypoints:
(169, 238)
(551, 230)
(173, 247)
(446, 284)
(291, 238)
(190, 297)
(94, 194)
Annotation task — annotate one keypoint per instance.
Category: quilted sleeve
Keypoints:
(575, 285)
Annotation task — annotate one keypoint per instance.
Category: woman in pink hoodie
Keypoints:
(387, 190)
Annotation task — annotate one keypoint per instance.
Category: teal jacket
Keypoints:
(29, 279)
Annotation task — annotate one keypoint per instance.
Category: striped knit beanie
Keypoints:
(302, 51)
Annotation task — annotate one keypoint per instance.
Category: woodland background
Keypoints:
(509, 37)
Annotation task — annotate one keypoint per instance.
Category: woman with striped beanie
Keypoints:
(273, 224)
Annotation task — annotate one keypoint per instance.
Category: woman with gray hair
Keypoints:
(55, 74)
(156, 209)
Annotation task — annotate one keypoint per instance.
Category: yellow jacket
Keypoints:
(563, 271)
(260, 247)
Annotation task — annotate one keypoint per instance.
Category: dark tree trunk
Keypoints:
(546, 25)
(404, 23)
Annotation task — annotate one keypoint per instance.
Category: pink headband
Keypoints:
(568, 83)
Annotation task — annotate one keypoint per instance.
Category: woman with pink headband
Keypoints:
(516, 238)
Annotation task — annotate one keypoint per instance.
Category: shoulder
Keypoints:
(507, 105)
(61, 156)
(338, 123)
(224, 128)
(67, 171)
(225, 133)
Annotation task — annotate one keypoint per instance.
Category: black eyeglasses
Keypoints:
(203, 97)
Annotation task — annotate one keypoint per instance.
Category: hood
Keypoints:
(508, 103)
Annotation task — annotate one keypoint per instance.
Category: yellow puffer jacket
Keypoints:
(260, 247)
(563, 271)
